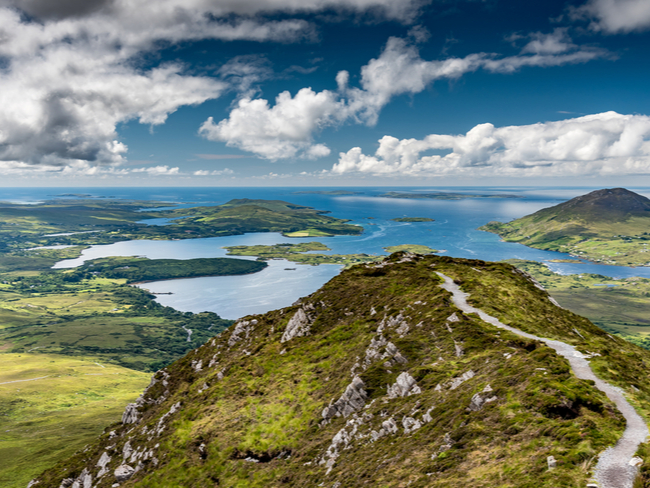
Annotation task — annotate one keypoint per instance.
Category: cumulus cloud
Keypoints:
(605, 143)
(286, 129)
(158, 170)
(282, 131)
(70, 72)
(615, 16)
(220, 172)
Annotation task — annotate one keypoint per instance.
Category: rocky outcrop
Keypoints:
(353, 399)
(405, 385)
(298, 326)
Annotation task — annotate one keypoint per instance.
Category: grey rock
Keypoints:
(240, 331)
(459, 380)
(552, 463)
(410, 424)
(123, 472)
(66, 483)
(405, 385)
(353, 399)
(33, 483)
(130, 415)
(453, 318)
(298, 326)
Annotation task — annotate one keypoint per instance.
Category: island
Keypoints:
(327, 192)
(142, 270)
(413, 248)
(296, 254)
(442, 195)
(609, 226)
(413, 219)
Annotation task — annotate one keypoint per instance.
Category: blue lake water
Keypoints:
(454, 231)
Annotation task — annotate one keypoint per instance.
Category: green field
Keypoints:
(617, 306)
(52, 405)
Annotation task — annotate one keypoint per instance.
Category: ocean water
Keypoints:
(453, 232)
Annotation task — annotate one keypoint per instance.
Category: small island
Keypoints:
(295, 253)
(328, 192)
(414, 248)
(413, 219)
(439, 195)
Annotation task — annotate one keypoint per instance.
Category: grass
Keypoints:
(48, 419)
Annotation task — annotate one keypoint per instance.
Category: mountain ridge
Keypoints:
(378, 378)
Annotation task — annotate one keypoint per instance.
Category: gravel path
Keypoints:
(615, 467)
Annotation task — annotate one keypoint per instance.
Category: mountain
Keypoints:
(610, 226)
(388, 377)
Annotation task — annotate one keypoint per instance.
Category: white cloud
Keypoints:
(281, 131)
(157, 170)
(605, 143)
(70, 70)
(615, 16)
(286, 129)
(222, 172)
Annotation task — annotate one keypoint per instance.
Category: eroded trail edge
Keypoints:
(615, 468)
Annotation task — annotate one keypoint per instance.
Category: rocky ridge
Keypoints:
(378, 379)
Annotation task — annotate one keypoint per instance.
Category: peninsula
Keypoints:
(610, 226)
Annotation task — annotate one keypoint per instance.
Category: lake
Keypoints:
(453, 231)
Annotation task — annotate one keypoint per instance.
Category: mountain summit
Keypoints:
(381, 379)
(610, 226)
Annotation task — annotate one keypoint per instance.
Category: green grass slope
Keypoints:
(611, 226)
(256, 406)
(51, 406)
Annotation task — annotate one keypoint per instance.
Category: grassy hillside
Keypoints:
(427, 396)
(51, 406)
(619, 306)
(608, 226)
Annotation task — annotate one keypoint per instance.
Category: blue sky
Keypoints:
(324, 92)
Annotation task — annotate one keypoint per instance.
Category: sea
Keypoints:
(453, 232)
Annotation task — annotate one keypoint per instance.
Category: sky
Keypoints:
(324, 92)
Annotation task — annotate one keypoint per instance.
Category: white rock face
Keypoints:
(124, 472)
(456, 382)
(241, 331)
(405, 385)
(130, 415)
(298, 326)
(353, 399)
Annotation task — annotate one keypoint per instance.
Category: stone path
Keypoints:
(615, 467)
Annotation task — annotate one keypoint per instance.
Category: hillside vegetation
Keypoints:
(378, 380)
(610, 226)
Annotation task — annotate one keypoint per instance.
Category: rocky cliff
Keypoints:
(378, 379)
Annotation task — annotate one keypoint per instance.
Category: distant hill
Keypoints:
(611, 226)
(378, 379)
